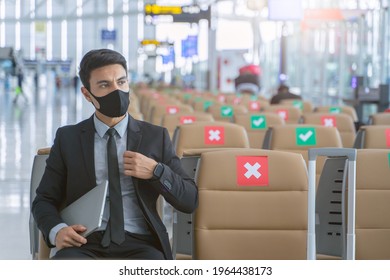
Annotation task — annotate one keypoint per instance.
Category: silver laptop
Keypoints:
(87, 210)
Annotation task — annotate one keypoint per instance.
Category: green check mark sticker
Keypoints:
(305, 136)
(207, 104)
(335, 110)
(258, 122)
(298, 104)
(226, 111)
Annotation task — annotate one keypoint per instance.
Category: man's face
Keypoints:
(107, 79)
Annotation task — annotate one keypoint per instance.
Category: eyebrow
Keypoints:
(106, 81)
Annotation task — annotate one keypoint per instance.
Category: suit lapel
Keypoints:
(87, 142)
(134, 135)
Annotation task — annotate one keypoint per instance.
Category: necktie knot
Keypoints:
(111, 132)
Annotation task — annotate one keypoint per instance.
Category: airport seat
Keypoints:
(226, 112)
(37, 248)
(213, 134)
(304, 105)
(254, 105)
(201, 104)
(349, 110)
(190, 141)
(373, 137)
(256, 125)
(134, 105)
(247, 210)
(344, 123)
(158, 111)
(153, 99)
(372, 204)
(172, 121)
(380, 119)
(289, 113)
(300, 138)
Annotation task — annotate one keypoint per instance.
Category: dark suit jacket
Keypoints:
(70, 173)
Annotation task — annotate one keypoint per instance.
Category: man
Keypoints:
(19, 88)
(78, 161)
(282, 94)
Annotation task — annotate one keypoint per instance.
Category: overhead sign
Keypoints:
(170, 57)
(150, 42)
(190, 14)
(108, 35)
(189, 46)
(155, 10)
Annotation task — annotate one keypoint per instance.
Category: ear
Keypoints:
(86, 94)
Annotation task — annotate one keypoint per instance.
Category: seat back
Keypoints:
(158, 111)
(373, 137)
(171, 121)
(289, 113)
(344, 123)
(247, 210)
(226, 112)
(197, 138)
(380, 119)
(256, 125)
(254, 105)
(373, 204)
(349, 110)
(214, 134)
(299, 138)
(38, 168)
(304, 105)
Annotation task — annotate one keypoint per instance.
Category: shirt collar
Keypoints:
(101, 128)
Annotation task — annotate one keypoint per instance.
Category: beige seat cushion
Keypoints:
(256, 125)
(209, 135)
(373, 204)
(344, 123)
(266, 219)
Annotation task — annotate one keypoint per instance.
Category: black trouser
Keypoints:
(135, 247)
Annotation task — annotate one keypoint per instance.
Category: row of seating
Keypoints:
(247, 210)
(190, 142)
(343, 117)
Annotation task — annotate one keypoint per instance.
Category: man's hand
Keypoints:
(70, 237)
(138, 165)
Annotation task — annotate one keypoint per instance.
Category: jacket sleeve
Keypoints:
(50, 192)
(175, 185)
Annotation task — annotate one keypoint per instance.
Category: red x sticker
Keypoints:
(214, 135)
(187, 119)
(221, 98)
(171, 110)
(252, 170)
(387, 137)
(254, 106)
(328, 121)
(283, 114)
(236, 100)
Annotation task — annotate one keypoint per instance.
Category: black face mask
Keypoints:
(114, 104)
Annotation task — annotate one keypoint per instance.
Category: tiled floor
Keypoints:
(25, 127)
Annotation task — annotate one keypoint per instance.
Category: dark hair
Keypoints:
(283, 88)
(98, 58)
